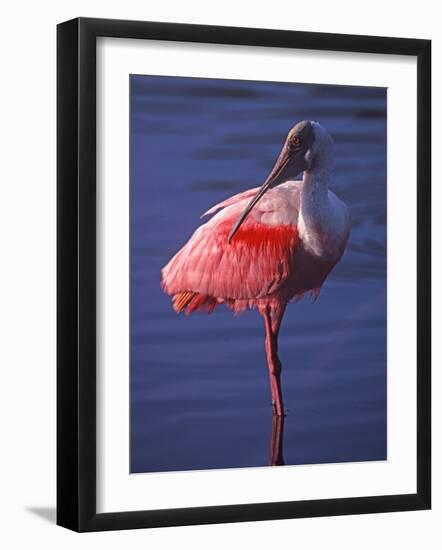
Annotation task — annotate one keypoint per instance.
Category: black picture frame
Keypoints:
(76, 274)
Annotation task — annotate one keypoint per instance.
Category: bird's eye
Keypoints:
(296, 141)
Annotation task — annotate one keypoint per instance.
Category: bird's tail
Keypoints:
(189, 302)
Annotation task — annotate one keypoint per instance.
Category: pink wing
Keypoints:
(231, 200)
(209, 270)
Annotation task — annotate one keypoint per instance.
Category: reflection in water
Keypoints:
(276, 457)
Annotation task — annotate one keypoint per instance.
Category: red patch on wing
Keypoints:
(255, 235)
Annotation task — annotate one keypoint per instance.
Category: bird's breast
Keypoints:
(323, 232)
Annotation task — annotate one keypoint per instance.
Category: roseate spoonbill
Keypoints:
(268, 245)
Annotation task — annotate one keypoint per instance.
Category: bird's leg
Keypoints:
(273, 362)
(276, 324)
(276, 457)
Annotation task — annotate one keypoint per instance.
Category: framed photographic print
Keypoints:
(243, 274)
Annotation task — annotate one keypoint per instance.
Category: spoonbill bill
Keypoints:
(267, 246)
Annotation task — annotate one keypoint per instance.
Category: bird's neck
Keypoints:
(315, 209)
(315, 188)
(316, 178)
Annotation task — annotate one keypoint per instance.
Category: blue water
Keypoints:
(199, 385)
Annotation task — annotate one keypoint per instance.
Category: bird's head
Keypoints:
(306, 146)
